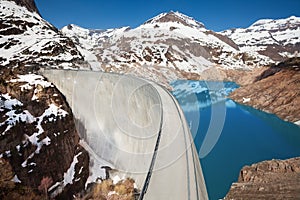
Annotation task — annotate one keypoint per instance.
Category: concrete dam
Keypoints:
(137, 128)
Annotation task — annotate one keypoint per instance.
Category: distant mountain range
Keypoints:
(277, 39)
(173, 45)
(167, 47)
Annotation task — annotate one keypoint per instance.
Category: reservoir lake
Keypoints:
(229, 135)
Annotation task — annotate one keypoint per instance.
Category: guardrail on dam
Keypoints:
(138, 128)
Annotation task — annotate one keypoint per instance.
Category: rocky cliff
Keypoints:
(274, 90)
(37, 130)
(275, 179)
(38, 135)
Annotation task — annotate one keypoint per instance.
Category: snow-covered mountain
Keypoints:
(27, 39)
(167, 47)
(276, 39)
(173, 45)
(86, 40)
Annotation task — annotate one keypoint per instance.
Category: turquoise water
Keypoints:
(247, 135)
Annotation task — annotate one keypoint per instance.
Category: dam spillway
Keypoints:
(138, 128)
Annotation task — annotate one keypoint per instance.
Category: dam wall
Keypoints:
(138, 128)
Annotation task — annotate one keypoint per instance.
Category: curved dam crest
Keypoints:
(136, 127)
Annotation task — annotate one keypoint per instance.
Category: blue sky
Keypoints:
(216, 15)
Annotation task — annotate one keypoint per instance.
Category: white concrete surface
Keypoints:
(138, 127)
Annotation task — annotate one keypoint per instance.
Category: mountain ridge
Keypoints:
(172, 46)
(175, 17)
(276, 39)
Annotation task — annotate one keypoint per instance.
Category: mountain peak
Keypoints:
(176, 17)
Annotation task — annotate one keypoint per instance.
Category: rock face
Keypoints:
(275, 90)
(37, 129)
(275, 179)
(10, 187)
(38, 134)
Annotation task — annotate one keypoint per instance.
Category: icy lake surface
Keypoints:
(228, 135)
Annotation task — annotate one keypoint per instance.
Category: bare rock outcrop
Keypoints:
(275, 90)
(275, 179)
(38, 135)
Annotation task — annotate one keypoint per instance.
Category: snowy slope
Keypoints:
(172, 46)
(86, 40)
(89, 38)
(166, 47)
(277, 39)
(25, 38)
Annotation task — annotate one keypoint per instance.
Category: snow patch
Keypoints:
(112, 193)
(16, 179)
(54, 186)
(297, 123)
(13, 116)
(69, 175)
(116, 179)
(30, 80)
(245, 100)
(8, 153)
(7, 102)
(96, 163)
